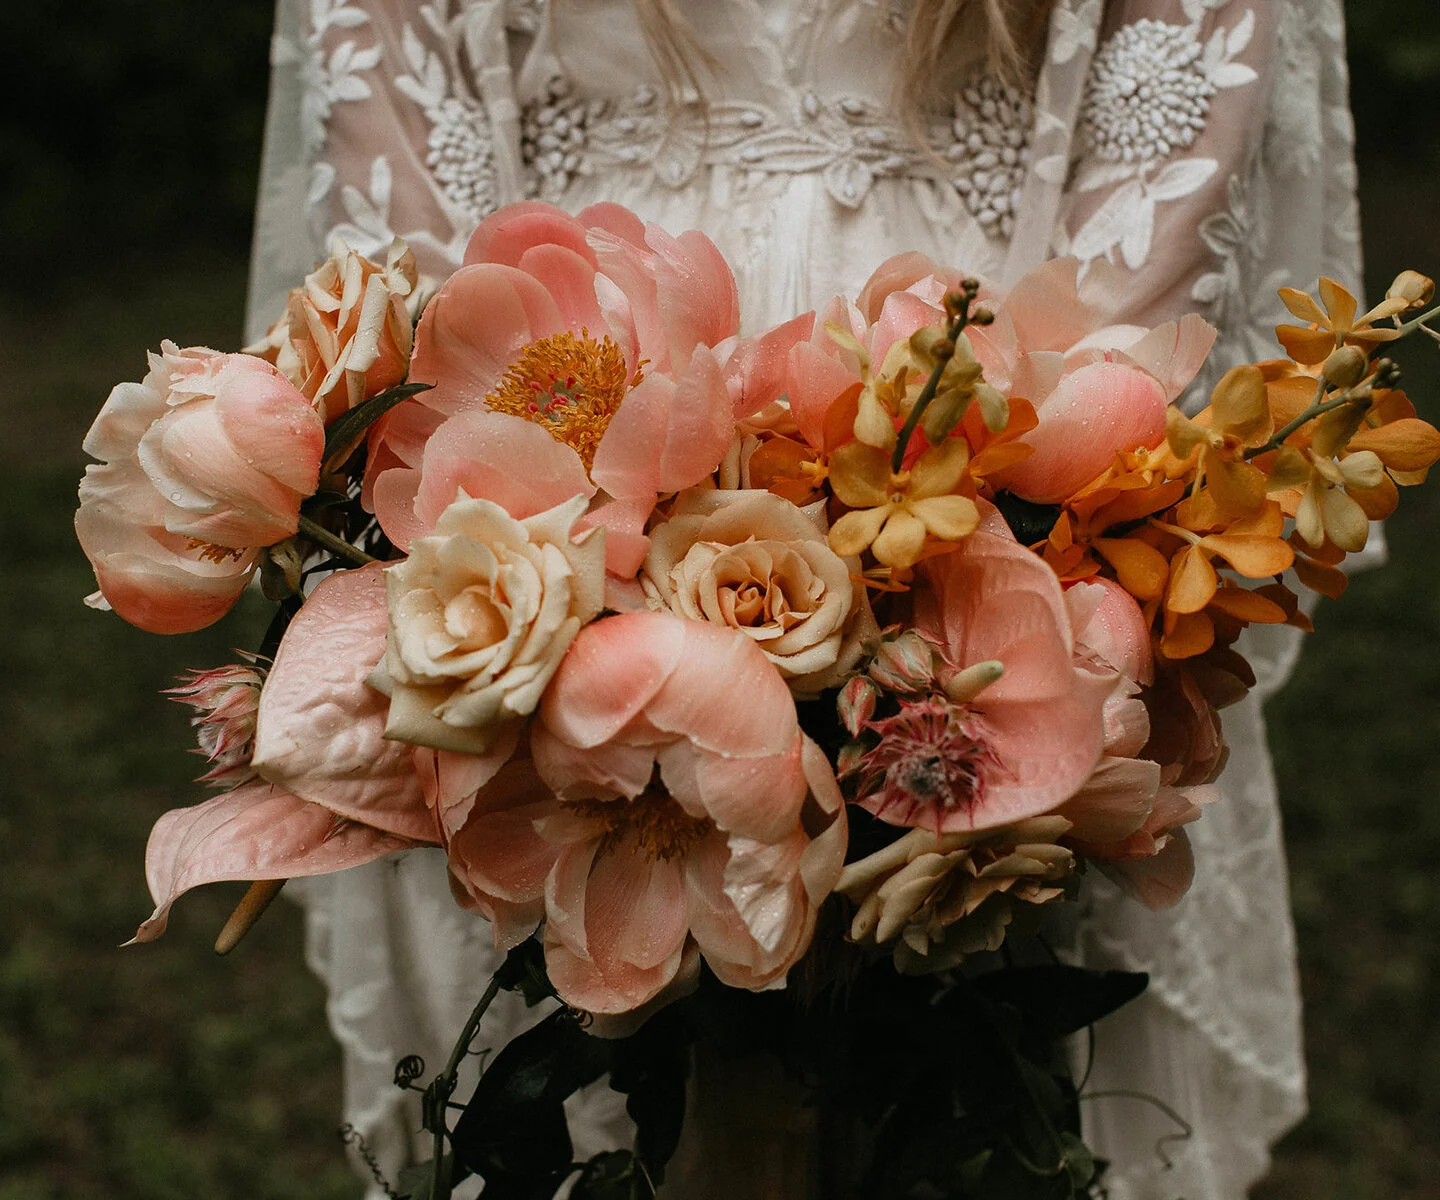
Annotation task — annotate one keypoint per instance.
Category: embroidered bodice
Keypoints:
(1201, 148)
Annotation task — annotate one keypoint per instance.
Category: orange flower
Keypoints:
(1335, 324)
(895, 511)
(1238, 419)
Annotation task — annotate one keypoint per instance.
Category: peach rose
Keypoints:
(205, 461)
(756, 563)
(349, 327)
(480, 615)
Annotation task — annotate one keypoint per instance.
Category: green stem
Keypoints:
(1411, 326)
(1315, 410)
(440, 1181)
(337, 546)
(927, 394)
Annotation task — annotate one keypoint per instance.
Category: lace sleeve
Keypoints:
(387, 117)
(1201, 148)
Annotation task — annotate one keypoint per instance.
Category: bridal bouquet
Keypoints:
(757, 689)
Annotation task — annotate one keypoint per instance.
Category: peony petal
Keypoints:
(507, 234)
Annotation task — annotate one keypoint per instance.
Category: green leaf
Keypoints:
(612, 1175)
(1057, 1000)
(347, 430)
(514, 1125)
(523, 971)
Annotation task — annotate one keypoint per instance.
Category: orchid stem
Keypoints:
(932, 385)
(337, 546)
(1412, 325)
(1315, 410)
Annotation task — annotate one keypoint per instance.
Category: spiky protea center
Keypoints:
(570, 385)
(933, 760)
(653, 822)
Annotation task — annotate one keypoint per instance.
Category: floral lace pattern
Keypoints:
(1201, 148)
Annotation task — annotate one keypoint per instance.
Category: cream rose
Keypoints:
(480, 615)
(347, 331)
(755, 562)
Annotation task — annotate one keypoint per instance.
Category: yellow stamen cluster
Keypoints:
(661, 830)
(570, 385)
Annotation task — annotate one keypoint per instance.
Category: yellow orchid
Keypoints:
(1238, 419)
(895, 511)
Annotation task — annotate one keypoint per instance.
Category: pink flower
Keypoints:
(597, 331)
(226, 701)
(1026, 742)
(682, 808)
(1097, 388)
(204, 462)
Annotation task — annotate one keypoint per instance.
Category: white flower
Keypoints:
(480, 615)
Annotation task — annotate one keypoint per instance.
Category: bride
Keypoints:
(1201, 148)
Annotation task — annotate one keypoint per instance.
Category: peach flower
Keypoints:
(1027, 741)
(686, 810)
(755, 562)
(479, 617)
(598, 331)
(205, 461)
(349, 329)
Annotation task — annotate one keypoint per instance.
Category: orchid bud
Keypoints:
(944, 413)
(1345, 367)
(1412, 287)
(281, 566)
(856, 704)
(982, 316)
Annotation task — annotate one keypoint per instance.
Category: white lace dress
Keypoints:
(1202, 145)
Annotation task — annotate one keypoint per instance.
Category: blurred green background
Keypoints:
(130, 146)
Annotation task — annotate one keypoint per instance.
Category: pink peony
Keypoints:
(203, 463)
(1026, 742)
(682, 808)
(599, 332)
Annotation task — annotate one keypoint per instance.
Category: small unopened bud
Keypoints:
(944, 413)
(1387, 373)
(280, 570)
(982, 316)
(906, 664)
(1412, 287)
(965, 685)
(1345, 367)
(943, 349)
(856, 704)
(993, 407)
(955, 302)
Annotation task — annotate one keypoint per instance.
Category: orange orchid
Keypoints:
(1334, 325)
(1238, 419)
(894, 512)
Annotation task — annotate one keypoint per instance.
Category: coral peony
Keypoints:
(600, 332)
(686, 809)
(204, 462)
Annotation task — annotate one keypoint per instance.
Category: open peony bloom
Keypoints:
(597, 330)
(1024, 743)
(754, 562)
(479, 617)
(204, 462)
(685, 809)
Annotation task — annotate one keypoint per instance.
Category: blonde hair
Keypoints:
(1010, 31)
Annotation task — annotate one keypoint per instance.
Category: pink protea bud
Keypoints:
(856, 703)
(225, 700)
(905, 663)
(932, 769)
